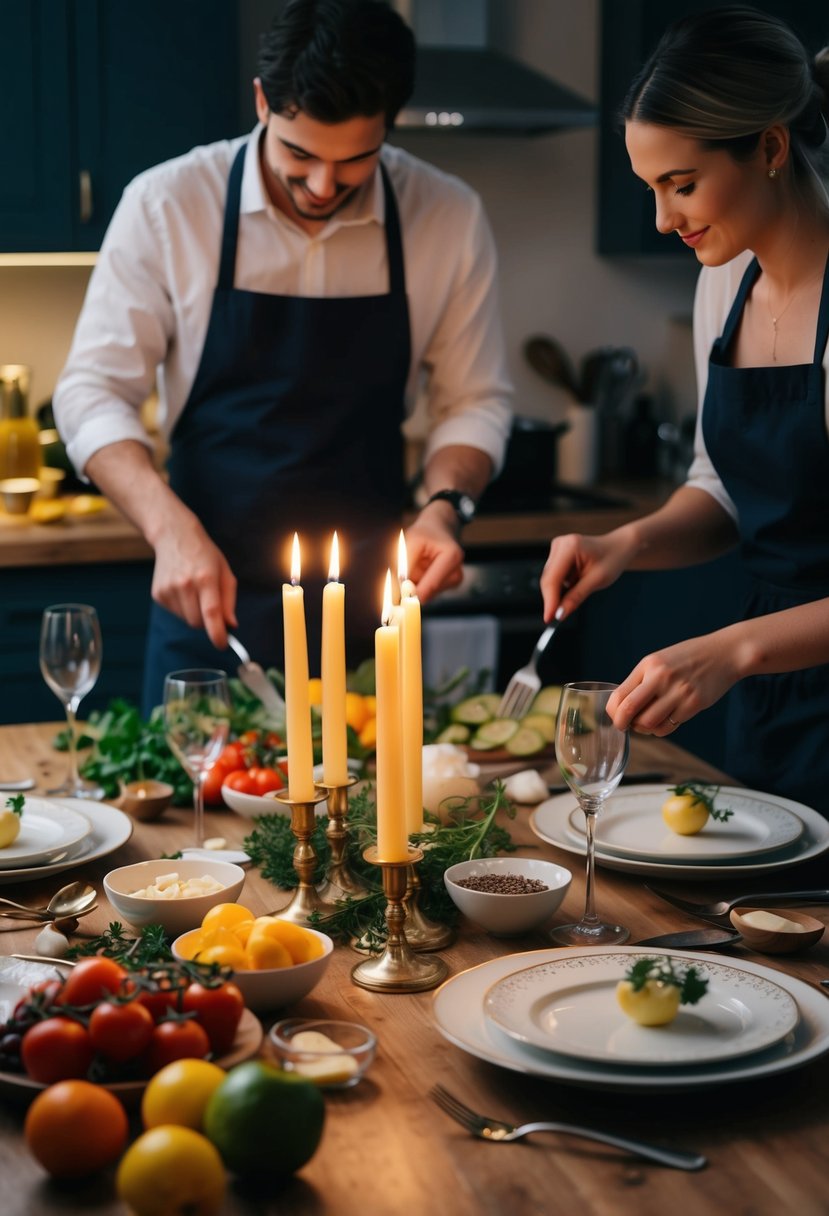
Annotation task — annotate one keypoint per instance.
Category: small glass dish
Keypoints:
(337, 1064)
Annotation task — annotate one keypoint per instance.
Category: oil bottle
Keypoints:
(19, 441)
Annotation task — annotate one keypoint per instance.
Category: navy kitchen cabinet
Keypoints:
(630, 29)
(94, 91)
(120, 594)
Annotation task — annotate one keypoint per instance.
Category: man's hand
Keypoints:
(193, 580)
(435, 556)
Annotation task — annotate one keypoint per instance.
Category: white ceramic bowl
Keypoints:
(253, 805)
(175, 915)
(274, 987)
(508, 915)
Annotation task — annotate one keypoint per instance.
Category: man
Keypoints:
(289, 290)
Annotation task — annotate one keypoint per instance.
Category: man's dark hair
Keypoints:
(337, 59)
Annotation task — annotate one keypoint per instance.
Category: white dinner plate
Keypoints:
(631, 825)
(551, 822)
(48, 833)
(458, 1010)
(110, 828)
(569, 1006)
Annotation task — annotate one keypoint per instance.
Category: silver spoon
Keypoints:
(75, 897)
(28, 783)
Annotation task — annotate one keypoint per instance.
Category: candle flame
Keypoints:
(334, 562)
(387, 602)
(295, 562)
(402, 559)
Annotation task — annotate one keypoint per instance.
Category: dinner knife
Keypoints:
(254, 677)
(627, 779)
(693, 939)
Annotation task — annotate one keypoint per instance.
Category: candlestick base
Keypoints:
(398, 968)
(422, 933)
(307, 898)
(342, 882)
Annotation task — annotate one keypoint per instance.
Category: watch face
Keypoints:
(466, 507)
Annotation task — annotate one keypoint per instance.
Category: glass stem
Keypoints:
(591, 811)
(198, 803)
(71, 711)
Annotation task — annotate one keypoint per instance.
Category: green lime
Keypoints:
(264, 1122)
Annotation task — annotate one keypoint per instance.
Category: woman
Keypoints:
(726, 126)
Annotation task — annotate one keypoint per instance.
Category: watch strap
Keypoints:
(463, 503)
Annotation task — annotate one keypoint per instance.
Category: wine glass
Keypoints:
(70, 660)
(592, 755)
(196, 726)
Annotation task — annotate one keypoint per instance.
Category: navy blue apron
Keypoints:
(292, 424)
(765, 431)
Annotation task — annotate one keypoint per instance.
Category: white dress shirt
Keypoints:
(717, 288)
(147, 307)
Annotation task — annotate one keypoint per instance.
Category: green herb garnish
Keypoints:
(150, 947)
(16, 803)
(690, 983)
(704, 794)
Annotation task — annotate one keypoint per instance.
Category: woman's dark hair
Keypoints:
(337, 59)
(724, 75)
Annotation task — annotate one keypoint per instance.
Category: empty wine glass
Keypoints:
(592, 755)
(70, 660)
(196, 726)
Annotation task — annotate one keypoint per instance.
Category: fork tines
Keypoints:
(451, 1106)
(518, 697)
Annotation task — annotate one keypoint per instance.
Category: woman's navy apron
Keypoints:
(292, 424)
(765, 431)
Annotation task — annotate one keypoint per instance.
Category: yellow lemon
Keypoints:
(368, 735)
(225, 954)
(191, 943)
(87, 504)
(370, 703)
(315, 691)
(47, 510)
(263, 952)
(356, 712)
(654, 1005)
(300, 944)
(226, 916)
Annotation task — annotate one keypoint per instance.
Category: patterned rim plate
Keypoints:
(48, 833)
(569, 1006)
(110, 829)
(458, 1010)
(631, 825)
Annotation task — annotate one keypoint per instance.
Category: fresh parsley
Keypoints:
(705, 794)
(151, 946)
(690, 983)
(15, 804)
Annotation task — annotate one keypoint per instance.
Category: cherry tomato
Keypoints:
(90, 980)
(272, 739)
(56, 1050)
(232, 755)
(40, 996)
(162, 995)
(176, 1041)
(120, 1031)
(266, 779)
(213, 783)
(219, 1011)
(250, 738)
(242, 781)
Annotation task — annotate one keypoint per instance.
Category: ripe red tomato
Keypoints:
(120, 1031)
(219, 1011)
(91, 980)
(266, 779)
(213, 783)
(242, 781)
(232, 755)
(56, 1049)
(250, 738)
(176, 1041)
(162, 995)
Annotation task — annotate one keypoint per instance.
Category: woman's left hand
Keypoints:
(670, 686)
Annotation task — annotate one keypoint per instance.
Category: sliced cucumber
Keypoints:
(526, 742)
(545, 724)
(456, 732)
(546, 701)
(498, 730)
(476, 710)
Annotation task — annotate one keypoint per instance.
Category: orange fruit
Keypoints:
(226, 916)
(75, 1128)
(315, 691)
(368, 735)
(356, 711)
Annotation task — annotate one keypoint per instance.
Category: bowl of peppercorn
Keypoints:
(510, 895)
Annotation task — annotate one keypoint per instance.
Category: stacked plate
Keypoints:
(58, 834)
(764, 833)
(553, 1013)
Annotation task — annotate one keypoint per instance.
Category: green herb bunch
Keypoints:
(151, 946)
(705, 794)
(688, 980)
(15, 804)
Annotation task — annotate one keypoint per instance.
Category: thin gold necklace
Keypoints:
(776, 319)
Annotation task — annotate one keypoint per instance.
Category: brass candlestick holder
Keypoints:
(306, 898)
(422, 933)
(342, 882)
(398, 968)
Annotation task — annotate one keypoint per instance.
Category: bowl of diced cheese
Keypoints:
(173, 894)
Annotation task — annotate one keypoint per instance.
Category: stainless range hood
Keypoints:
(463, 84)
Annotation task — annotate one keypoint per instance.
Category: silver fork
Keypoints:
(501, 1133)
(525, 682)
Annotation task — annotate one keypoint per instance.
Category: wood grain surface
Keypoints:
(387, 1150)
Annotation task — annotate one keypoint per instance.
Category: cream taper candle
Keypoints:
(334, 733)
(392, 838)
(297, 702)
(411, 694)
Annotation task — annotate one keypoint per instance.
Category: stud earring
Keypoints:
(772, 172)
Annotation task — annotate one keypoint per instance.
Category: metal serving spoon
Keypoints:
(71, 900)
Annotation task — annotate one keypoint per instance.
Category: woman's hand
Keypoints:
(670, 686)
(578, 566)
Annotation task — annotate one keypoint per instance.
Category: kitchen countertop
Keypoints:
(109, 537)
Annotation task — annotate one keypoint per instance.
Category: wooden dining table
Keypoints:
(388, 1150)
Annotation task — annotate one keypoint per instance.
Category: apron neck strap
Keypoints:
(394, 241)
(230, 229)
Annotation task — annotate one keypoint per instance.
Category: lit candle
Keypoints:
(392, 843)
(411, 688)
(297, 703)
(334, 734)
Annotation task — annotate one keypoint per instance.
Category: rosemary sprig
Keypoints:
(149, 947)
(705, 794)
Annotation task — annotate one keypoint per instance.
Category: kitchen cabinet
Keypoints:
(94, 91)
(629, 32)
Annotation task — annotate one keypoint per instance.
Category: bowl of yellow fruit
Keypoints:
(274, 961)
